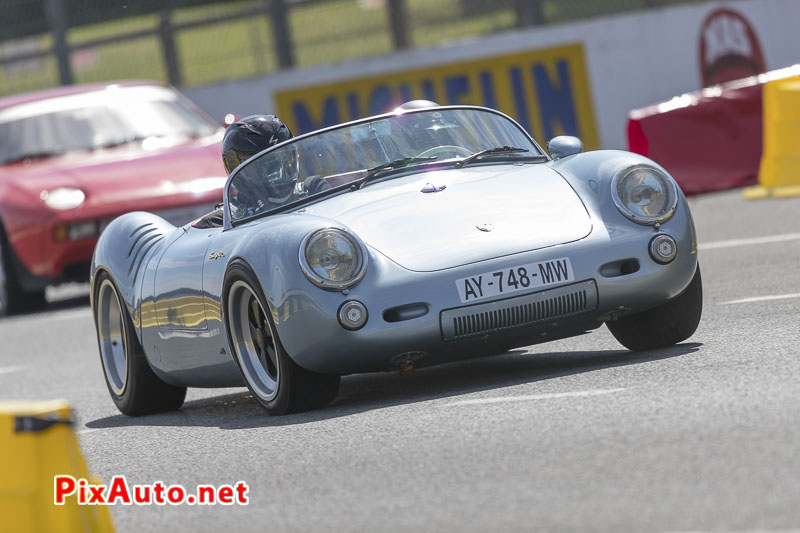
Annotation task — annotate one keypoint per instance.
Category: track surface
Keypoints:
(576, 435)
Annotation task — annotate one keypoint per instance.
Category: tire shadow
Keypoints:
(72, 301)
(360, 393)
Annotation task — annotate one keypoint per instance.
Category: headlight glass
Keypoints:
(333, 259)
(63, 198)
(645, 194)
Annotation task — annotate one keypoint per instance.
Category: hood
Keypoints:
(127, 174)
(525, 207)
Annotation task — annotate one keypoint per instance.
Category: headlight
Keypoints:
(63, 198)
(333, 259)
(644, 194)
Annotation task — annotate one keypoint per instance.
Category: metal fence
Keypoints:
(44, 43)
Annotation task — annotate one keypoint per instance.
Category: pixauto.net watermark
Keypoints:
(118, 491)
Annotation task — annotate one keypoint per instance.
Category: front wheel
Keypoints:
(667, 324)
(134, 387)
(275, 381)
(12, 298)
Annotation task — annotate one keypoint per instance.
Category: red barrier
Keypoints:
(710, 139)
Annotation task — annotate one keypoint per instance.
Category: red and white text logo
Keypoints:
(118, 491)
(729, 48)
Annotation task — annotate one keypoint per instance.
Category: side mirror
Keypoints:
(564, 145)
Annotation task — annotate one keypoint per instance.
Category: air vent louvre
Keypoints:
(145, 241)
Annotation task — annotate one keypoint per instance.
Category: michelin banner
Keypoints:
(546, 91)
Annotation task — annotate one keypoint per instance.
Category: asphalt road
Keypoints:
(575, 435)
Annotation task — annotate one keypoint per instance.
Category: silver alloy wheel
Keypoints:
(253, 341)
(111, 331)
(3, 283)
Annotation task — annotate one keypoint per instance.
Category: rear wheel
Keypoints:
(668, 324)
(134, 387)
(276, 382)
(5, 298)
(12, 298)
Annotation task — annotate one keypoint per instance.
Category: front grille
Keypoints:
(520, 311)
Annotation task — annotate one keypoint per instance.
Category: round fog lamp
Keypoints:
(352, 315)
(663, 249)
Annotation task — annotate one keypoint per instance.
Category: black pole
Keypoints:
(281, 33)
(529, 12)
(167, 34)
(57, 20)
(398, 20)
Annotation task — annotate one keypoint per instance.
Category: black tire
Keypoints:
(137, 390)
(13, 299)
(277, 383)
(668, 324)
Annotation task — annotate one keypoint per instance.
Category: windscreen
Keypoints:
(319, 162)
(152, 115)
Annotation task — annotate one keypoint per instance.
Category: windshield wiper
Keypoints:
(34, 155)
(496, 150)
(395, 164)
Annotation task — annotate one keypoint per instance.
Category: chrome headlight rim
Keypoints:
(639, 219)
(324, 283)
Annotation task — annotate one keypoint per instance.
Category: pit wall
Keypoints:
(711, 139)
(578, 78)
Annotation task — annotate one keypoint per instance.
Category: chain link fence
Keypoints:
(45, 43)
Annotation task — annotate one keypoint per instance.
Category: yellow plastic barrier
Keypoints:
(779, 173)
(36, 444)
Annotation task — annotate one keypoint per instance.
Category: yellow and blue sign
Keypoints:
(546, 91)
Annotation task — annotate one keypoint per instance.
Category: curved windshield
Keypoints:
(155, 116)
(319, 162)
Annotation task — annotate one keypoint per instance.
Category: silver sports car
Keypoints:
(397, 241)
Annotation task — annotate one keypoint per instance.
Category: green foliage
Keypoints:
(322, 31)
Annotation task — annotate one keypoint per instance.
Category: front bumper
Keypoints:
(612, 268)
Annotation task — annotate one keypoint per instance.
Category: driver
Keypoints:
(276, 181)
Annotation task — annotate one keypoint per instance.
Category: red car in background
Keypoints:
(74, 158)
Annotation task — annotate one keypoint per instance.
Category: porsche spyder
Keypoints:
(74, 158)
(407, 239)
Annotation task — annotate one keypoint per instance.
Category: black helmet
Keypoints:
(249, 136)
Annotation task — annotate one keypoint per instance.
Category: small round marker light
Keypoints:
(353, 315)
(663, 249)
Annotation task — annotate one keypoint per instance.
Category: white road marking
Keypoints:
(67, 315)
(739, 531)
(82, 314)
(533, 397)
(10, 369)
(762, 299)
(87, 430)
(735, 243)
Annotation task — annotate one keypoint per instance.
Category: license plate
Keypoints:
(515, 279)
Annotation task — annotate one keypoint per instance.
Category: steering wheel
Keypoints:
(451, 149)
